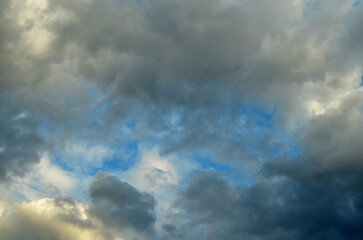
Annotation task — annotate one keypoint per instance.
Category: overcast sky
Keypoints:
(181, 119)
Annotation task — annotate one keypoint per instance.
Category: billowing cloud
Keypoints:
(59, 219)
(120, 206)
(289, 206)
(186, 68)
(333, 139)
(267, 94)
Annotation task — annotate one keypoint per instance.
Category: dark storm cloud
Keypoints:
(315, 195)
(317, 206)
(120, 206)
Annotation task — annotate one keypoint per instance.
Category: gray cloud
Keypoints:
(202, 61)
(186, 70)
(333, 140)
(317, 206)
(120, 206)
(20, 140)
(198, 61)
(31, 94)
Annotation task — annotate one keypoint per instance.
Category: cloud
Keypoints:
(160, 176)
(286, 207)
(116, 209)
(46, 179)
(332, 140)
(20, 141)
(199, 63)
(271, 89)
(202, 61)
(120, 206)
(155, 173)
(50, 219)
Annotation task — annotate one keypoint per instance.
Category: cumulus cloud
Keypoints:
(333, 139)
(120, 206)
(50, 219)
(46, 179)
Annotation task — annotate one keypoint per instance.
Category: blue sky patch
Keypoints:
(356, 3)
(205, 162)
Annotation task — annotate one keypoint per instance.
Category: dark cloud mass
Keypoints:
(254, 108)
(288, 206)
(121, 206)
(333, 140)
(20, 140)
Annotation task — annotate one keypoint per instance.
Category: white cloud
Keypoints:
(47, 178)
(62, 219)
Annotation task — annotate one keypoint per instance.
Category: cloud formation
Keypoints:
(120, 206)
(289, 206)
(181, 119)
(59, 219)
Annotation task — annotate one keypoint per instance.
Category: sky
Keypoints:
(181, 119)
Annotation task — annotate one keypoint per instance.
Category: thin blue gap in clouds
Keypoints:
(356, 3)
(205, 162)
(262, 117)
(124, 158)
(131, 123)
(290, 147)
(260, 122)
(48, 128)
(361, 82)
(58, 160)
(124, 154)
(233, 174)
(310, 7)
(263, 123)
(127, 152)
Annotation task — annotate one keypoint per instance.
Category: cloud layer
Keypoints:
(183, 119)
